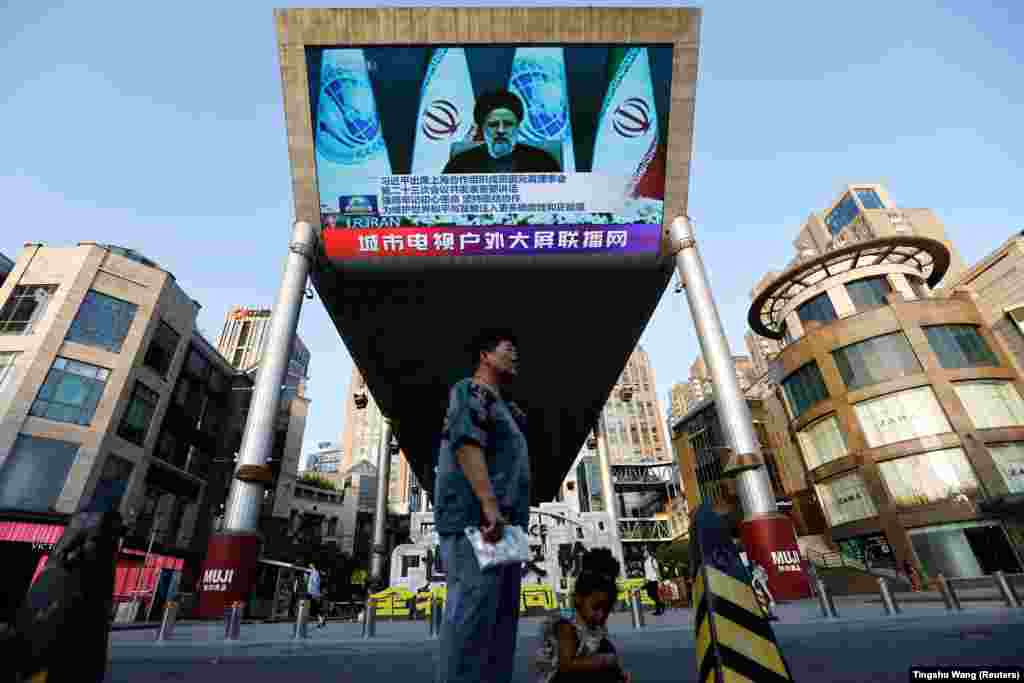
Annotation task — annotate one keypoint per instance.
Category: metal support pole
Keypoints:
(242, 511)
(380, 515)
(370, 618)
(233, 621)
(948, 594)
(1009, 597)
(301, 618)
(436, 617)
(828, 605)
(608, 491)
(638, 612)
(168, 622)
(891, 606)
(752, 485)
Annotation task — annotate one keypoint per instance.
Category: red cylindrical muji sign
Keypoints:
(228, 574)
(770, 541)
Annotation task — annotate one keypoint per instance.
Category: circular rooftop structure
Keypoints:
(928, 257)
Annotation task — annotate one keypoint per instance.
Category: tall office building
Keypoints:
(679, 401)
(360, 442)
(245, 336)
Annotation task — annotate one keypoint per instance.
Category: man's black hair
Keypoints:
(488, 340)
(497, 99)
(600, 571)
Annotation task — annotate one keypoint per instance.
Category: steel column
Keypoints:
(242, 512)
(380, 515)
(608, 492)
(752, 485)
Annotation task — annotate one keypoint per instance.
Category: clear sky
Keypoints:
(159, 126)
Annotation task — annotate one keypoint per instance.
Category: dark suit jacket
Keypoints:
(525, 159)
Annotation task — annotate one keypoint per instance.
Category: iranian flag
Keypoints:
(538, 78)
(627, 132)
(446, 110)
(351, 154)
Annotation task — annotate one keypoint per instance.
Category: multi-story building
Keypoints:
(109, 398)
(645, 481)
(361, 439)
(997, 286)
(906, 407)
(244, 338)
(326, 459)
(6, 266)
(679, 402)
(864, 212)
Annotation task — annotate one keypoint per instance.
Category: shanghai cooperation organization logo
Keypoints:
(539, 84)
(348, 128)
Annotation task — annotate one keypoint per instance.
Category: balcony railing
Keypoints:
(655, 474)
(640, 529)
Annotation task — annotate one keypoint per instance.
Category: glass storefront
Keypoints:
(822, 442)
(964, 550)
(1009, 459)
(991, 403)
(928, 478)
(873, 550)
(845, 499)
(900, 416)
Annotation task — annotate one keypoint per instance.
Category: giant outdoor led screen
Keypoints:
(490, 150)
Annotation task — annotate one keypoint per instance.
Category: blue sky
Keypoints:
(159, 126)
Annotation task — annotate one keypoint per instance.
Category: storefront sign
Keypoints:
(786, 560)
(771, 543)
(228, 574)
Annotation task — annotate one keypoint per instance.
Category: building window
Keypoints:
(804, 388)
(959, 346)
(71, 392)
(842, 215)
(1009, 459)
(935, 477)
(6, 367)
(819, 309)
(113, 483)
(24, 308)
(991, 403)
(102, 321)
(904, 415)
(33, 475)
(869, 199)
(845, 499)
(876, 360)
(141, 407)
(822, 442)
(162, 348)
(868, 293)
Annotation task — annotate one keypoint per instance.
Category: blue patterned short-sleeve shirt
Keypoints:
(479, 416)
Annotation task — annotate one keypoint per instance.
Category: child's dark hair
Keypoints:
(599, 573)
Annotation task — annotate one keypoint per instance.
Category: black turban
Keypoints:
(497, 99)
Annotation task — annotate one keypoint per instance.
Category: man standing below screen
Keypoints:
(499, 114)
(483, 480)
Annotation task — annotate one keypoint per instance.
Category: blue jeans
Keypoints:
(481, 617)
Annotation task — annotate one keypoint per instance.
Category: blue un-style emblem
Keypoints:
(348, 128)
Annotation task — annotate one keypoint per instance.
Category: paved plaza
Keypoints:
(862, 645)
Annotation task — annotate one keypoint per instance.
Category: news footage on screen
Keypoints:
(491, 150)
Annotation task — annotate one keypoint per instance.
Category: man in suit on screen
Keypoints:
(498, 114)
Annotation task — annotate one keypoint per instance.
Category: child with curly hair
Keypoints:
(579, 650)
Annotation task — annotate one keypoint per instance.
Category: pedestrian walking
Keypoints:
(313, 591)
(579, 649)
(913, 576)
(298, 587)
(652, 592)
(483, 481)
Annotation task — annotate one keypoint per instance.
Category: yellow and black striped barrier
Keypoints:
(735, 641)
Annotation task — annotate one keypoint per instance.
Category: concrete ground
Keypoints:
(862, 645)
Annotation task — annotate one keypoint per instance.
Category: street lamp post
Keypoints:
(378, 555)
(764, 530)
